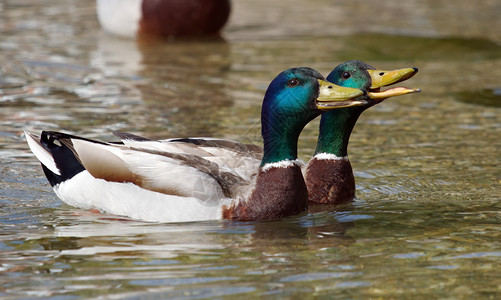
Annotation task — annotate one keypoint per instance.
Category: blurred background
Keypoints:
(426, 221)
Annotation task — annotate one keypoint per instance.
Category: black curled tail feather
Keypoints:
(64, 158)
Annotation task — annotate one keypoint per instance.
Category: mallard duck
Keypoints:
(166, 18)
(329, 176)
(142, 180)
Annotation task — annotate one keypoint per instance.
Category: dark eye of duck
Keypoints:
(346, 75)
(292, 82)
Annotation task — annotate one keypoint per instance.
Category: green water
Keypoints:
(425, 225)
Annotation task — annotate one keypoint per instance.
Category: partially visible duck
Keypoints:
(164, 18)
(141, 180)
(329, 176)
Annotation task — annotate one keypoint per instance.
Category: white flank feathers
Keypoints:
(44, 156)
(329, 156)
(127, 199)
(157, 172)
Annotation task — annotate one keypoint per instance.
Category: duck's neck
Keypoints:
(279, 148)
(280, 135)
(335, 130)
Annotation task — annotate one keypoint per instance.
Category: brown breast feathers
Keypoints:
(279, 192)
(330, 181)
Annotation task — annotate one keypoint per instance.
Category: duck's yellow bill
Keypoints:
(333, 96)
(381, 78)
(397, 91)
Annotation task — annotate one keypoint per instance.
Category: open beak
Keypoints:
(333, 96)
(382, 78)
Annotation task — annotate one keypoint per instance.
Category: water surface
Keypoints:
(426, 222)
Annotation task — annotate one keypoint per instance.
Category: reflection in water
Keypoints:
(89, 234)
(190, 80)
(173, 80)
(276, 236)
(116, 57)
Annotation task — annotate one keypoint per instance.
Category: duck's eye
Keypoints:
(346, 75)
(292, 82)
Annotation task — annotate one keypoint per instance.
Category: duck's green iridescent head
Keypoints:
(304, 91)
(294, 98)
(336, 126)
(353, 74)
(358, 74)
